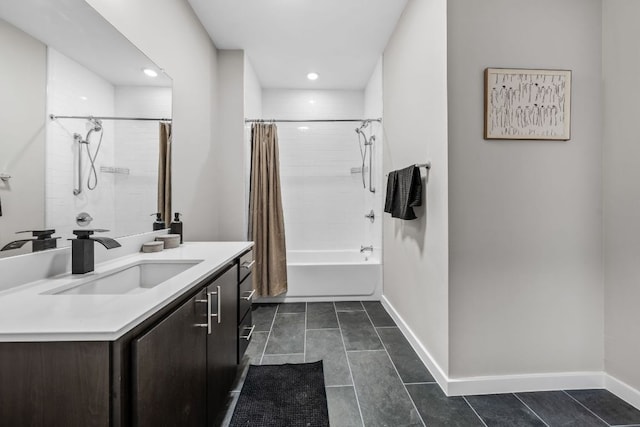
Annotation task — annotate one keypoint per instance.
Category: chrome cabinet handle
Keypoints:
(209, 313)
(248, 298)
(248, 265)
(248, 336)
(218, 315)
(208, 324)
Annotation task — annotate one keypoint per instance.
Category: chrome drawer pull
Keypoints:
(248, 336)
(201, 325)
(248, 265)
(248, 298)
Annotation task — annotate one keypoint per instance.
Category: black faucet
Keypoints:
(41, 240)
(82, 254)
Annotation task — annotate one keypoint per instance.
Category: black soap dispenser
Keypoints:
(158, 224)
(176, 225)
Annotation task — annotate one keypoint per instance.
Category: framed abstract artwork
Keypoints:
(527, 104)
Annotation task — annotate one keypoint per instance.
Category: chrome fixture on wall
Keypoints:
(95, 126)
(83, 219)
(371, 215)
(366, 248)
(366, 145)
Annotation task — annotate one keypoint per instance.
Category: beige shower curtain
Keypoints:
(164, 173)
(266, 223)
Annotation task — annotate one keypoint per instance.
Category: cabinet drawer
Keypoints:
(245, 296)
(246, 265)
(245, 333)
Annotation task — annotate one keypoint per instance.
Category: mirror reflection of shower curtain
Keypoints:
(164, 172)
(266, 220)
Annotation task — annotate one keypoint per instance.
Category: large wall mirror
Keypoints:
(85, 119)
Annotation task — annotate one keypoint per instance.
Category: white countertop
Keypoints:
(27, 313)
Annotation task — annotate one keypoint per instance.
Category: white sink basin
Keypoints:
(133, 278)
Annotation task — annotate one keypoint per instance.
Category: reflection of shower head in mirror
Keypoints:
(94, 125)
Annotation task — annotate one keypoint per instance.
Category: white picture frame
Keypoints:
(527, 104)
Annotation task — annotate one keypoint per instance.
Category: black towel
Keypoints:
(404, 191)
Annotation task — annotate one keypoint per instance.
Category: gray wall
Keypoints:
(526, 276)
(230, 203)
(23, 80)
(171, 35)
(621, 65)
(415, 130)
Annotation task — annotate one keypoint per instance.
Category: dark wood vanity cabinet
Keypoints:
(184, 366)
(174, 369)
(168, 361)
(245, 299)
(222, 342)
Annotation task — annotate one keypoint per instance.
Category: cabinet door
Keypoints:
(223, 341)
(169, 370)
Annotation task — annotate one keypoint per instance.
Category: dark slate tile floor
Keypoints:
(374, 378)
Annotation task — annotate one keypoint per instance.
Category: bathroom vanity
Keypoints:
(147, 339)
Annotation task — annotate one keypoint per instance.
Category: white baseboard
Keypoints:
(424, 355)
(524, 383)
(285, 299)
(512, 383)
(622, 390)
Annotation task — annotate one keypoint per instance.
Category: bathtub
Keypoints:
(332, 276)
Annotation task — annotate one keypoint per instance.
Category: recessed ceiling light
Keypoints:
(303, 128)
(312, 76)
(149, 72)
(312, 101)
(84, 98)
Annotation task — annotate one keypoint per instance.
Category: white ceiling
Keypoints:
(341, 40)
(75, 29)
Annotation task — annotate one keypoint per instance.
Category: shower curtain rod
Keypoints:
(310, 120)
(151, 119)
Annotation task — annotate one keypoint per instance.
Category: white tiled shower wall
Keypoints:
(323, 202)
(373, 110)
(74, 90)
(120, 203)
(137, 150)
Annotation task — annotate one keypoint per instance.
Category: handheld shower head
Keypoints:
(96, 124)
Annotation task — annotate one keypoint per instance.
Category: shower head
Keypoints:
(95, 125)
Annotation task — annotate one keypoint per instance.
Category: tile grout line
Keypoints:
(585, 407)
(353, 380)
(304, 344)
(284, 354)
(351, 385)
(323, 329)
(529, 408)
(269, 336)
(420, 383)
(395, 369)
(474, 411)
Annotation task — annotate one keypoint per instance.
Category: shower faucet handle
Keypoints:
(371, 215)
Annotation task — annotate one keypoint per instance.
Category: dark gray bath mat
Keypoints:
(282, 395)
